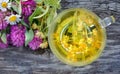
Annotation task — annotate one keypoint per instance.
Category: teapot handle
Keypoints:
(107, 21)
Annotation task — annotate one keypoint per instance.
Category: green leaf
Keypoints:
(3, 38)
(17, 1)
(23, 23)
(19, 8)
(28, 36)
(41, 15)
(54, 3)
(15, 8)
(0, 33)
(51, 16)
(38, 1)
(35, 13)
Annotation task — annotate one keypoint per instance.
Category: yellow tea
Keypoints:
(78, 37)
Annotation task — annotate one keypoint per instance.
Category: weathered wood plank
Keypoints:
(24, 61)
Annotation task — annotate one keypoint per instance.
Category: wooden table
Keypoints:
(24, 61)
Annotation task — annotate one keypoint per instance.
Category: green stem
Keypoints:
(17, 1)
(74, 26)
(45, 12)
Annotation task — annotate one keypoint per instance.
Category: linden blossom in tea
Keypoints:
(77, 41)
(77, 37)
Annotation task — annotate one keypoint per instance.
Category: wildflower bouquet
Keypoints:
(26, 22)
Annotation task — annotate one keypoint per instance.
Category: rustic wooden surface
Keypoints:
(24, 61)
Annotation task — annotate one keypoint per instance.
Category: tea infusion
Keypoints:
(78, 36)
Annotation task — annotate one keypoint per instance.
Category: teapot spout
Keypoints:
(107, 21)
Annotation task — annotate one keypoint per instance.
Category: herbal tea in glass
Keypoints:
(77, 37)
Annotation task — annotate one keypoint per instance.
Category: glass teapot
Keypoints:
(77, 36)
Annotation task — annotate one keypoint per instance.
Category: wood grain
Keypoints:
(24, 61)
